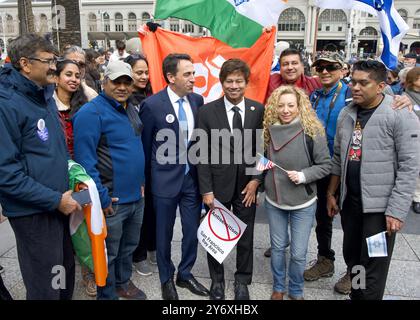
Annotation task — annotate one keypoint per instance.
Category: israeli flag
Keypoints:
(393, 26)
(377, 245)
(393, 29)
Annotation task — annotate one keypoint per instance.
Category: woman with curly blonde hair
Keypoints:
(294, 140)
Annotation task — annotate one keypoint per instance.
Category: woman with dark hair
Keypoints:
(142, 87)
(69, 96)
(346, 73)
(93, 77)
(147, 243)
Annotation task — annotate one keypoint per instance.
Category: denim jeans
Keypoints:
(123, 236)
(301, 222)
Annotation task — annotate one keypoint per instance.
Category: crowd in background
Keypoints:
(108, 115)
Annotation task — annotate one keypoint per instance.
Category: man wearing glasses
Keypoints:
(33, 170)
(328, 102)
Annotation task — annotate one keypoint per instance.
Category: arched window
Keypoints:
(332, 20)
(174, 24)
(145, 17)
(132, 22)
(43, 23)
(416, 22)
(92, 22)
(188, 27)
(292, 19)
(368, 31)
(403, 13)
(10, 24)
(119, 22)
(107, 22)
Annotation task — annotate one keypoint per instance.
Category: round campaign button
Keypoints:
(170, 118)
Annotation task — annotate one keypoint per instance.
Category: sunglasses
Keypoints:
(328, 67)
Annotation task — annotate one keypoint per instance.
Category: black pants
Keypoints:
(148, 230)
(4, 294)
(357, 226)
(324, 223)
(45, 255)
(244, 248)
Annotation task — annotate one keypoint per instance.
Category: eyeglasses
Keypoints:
(50, 62)
(328, 67)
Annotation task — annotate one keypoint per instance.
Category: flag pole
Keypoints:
(316, 32)
(274, 163)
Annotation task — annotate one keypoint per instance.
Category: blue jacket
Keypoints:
(397, 88)
(33, 152)
(165, 179)
(107, 143)
(321, 102)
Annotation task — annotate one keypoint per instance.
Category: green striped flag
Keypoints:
(238, 23)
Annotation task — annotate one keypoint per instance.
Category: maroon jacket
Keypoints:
(309, 84)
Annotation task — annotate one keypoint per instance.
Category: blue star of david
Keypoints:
(378, 4)
(376, 244)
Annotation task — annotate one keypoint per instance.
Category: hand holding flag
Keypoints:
(266, 164)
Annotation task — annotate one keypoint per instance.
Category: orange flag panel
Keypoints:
(208, 55)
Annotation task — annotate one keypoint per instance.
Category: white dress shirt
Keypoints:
(187, 107)
(230, 113)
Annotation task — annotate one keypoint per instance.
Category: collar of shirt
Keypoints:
(173, 97)
(117, 105)
(240, 105)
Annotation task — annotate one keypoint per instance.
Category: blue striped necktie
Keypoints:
(183, 125)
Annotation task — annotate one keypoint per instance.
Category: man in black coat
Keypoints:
(224, 171)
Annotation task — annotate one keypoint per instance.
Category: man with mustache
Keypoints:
(375, 167)
(34, 170)
(107, 143)
(292, 73)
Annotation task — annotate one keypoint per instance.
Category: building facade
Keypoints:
(303, 25)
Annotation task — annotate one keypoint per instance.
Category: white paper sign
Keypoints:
(220, 231)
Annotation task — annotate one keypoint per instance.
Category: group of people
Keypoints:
(326, 139)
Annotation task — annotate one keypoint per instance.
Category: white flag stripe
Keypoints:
(377, 246)
(264, 12)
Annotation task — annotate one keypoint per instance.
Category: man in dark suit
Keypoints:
(228, 180)
(169, 118)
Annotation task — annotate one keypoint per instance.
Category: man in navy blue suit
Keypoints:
(169, 118)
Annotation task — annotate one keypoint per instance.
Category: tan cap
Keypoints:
(329, 57)
(117, 69)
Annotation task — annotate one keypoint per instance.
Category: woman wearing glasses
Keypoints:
(294, 140)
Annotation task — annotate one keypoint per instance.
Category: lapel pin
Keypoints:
(252, 108)
(170, 118)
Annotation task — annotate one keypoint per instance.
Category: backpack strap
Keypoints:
(349, 97)
(310, 146)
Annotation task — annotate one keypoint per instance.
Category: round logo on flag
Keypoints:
(224, 225)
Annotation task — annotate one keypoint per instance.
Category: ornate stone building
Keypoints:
(104, 21)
